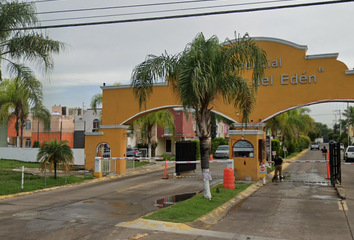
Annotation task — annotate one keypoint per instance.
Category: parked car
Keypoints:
(133, 152)
(222, 151)
(315, 146)
(349, 154)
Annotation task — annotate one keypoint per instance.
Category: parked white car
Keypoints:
(315, 146)
(349, 154)
(222, 151)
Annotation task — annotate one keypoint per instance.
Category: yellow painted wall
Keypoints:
(246, 166)
(117, 140)
(332, 83)
(277, 92)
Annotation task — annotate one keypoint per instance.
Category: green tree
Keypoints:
(204, 72)
(349, 114)
(146, 123)
(324, 131)
(18, 46)
(216, 142)
(55, 153)
(21, 98)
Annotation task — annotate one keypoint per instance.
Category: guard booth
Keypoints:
(248, 150)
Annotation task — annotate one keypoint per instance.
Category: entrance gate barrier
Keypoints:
(108, 165)
(335, 164)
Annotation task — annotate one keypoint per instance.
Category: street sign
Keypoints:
(207, 176)
(262, 171)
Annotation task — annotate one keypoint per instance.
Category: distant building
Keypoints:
(185, 130)
(88, 122)
(61, 128)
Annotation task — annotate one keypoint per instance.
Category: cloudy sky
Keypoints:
(108, 53)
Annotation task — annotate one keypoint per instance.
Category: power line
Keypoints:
(161, 11)
(150, 5)
(180, 16)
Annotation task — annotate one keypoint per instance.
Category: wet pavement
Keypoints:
(301, 207)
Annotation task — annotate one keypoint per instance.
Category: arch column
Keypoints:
(115, 136)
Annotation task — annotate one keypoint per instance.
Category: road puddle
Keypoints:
(171, 200)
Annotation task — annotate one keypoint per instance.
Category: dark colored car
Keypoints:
(133, 152)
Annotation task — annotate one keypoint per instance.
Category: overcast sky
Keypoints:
(108, 53)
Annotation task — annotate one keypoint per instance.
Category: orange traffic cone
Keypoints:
(211, 157)
(229, 179)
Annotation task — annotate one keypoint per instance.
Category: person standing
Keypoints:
(324, 152)
(278, 161)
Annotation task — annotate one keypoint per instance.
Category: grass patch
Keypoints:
(136, 164)
(197, 206)
(10, 181)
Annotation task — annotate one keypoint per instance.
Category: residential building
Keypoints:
(61, 128)
(89, 121)
(185, 130)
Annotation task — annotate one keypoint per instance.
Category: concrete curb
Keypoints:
(341, 192)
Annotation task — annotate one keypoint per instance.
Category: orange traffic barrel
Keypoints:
(229, 179)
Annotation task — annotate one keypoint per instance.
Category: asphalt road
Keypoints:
(301, 207)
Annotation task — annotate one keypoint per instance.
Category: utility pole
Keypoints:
(348, 123)
(340, 119)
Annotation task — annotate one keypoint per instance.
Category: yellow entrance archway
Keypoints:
(292, 79)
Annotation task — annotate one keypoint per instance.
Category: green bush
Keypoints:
(276, 147)
(166, 156)
(216, 142)
(36, 144)
(198, 149)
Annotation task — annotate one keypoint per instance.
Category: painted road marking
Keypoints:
(136, 186)
(342, 205)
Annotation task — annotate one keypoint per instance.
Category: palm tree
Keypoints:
(162, 118)
(292, 125)
(54, 153)
(203, 73)
(23, 45)
(20, 98)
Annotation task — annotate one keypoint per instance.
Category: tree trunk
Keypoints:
(17, 132)
(203, 132)
(149, 136)
(55, 170)
(204, 155)
(21, 138)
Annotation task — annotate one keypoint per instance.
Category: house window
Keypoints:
(243, 149)
(167, 132)
(28, 143)
(95, 125)
(28, 125)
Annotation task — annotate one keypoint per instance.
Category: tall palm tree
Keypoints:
(23, 45)
(349, 114)
(204, 72)
(54, 153)
(292, 125)
(163, 118)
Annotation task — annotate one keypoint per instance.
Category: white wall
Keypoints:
(30, 154)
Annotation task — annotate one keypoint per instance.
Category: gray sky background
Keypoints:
(108, 53)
